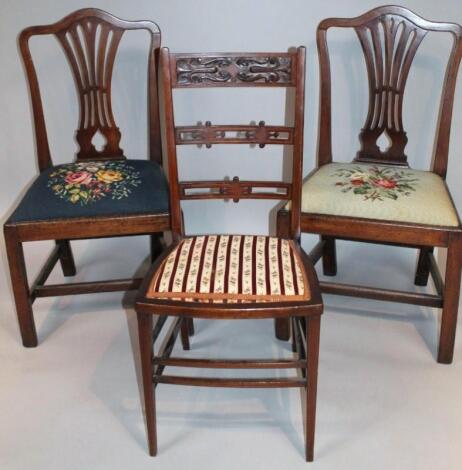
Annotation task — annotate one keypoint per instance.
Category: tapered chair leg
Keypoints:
(146, 352)
(313, 325)
(329, 257)
(20, 286)
(423, 267)
(450, 300)
(66, 257)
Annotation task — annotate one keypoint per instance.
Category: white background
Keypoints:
(74, 400)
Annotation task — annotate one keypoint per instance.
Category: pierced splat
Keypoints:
(389, 44)
(90, 39)
(90, 45)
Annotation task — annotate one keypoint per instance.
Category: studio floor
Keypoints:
(383, 401)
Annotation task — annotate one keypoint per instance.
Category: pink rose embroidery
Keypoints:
(79, 177)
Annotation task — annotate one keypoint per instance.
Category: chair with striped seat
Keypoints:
(231, 276)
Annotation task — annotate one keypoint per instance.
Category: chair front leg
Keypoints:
(423, 267)
(313, 325)
(66, 257)
(20, 286)
(329, 256)
(145, 323)
(450, 299)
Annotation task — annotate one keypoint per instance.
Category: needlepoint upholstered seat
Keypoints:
(379, 192)
(95, 188)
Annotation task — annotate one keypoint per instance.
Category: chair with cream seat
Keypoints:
(377, 198)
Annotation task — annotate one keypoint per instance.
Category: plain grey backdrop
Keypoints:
(74, 402)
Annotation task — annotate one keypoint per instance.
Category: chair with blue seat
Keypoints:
(100, 194)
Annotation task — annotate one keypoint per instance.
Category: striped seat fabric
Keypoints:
(230, 269)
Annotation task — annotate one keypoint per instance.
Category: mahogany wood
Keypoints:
(75, 288)
(390, 37)
(436, 275)
(423, 266)
(232, 383)
(145, 323)
(89, 38)
(234, 364)
(426, 300)
(313, 326)
(214, 70)
(233, 69)
(66, 258)
(209, 134)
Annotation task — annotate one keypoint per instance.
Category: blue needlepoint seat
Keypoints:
(95, 189)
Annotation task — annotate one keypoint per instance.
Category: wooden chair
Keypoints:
(377, 198)
(102, 194)
(231, 276)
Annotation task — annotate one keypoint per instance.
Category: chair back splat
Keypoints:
(90, 39)
(234, 70)
(390, 37)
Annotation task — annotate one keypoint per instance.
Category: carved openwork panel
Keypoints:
(389, 43)
(208, 134)
(235, 189)
(232, 70)
(90, 45)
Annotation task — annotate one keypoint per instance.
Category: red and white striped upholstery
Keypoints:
(231, 268)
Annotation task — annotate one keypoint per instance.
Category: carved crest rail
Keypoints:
(233, 69)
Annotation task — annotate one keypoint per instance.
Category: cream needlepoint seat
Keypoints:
(230, 269)
(383, 192)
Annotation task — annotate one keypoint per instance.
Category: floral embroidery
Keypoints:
(376, 183)
(85, 183)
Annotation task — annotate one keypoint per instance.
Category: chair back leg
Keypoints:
(329, 257)
(282, 325)
(185, 334)
(66, 257)
(423, 267)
